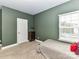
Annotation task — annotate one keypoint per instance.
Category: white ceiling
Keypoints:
(31, 6)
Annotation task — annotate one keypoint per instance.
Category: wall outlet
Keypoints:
(37, 37)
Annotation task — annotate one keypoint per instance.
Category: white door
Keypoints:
(22, 30)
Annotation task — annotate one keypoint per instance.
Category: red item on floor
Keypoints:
(77, 52)
(74, 47)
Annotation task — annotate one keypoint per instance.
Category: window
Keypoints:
(69, 27)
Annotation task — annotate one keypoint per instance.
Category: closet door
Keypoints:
(22, 30)
(25, 30)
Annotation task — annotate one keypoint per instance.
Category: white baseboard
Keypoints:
(9, 46)
(39, 41)
(0, 45)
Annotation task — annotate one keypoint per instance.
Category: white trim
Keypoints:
(39, 41)
(0, 45)
(9, 46)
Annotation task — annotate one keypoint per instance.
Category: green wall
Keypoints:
(46, 23)
(0, 25)
(9, 24)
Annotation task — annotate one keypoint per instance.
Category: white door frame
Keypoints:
(19, 40)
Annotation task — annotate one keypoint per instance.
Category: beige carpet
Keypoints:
(29, 51)
(22, 51)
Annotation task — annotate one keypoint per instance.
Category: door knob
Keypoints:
(18, 32)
